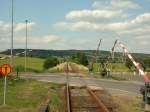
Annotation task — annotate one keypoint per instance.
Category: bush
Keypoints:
(50, 62)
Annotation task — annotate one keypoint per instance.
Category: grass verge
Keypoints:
(128, 104)
(98, 76)
(26, 95)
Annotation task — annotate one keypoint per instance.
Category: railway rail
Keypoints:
(81, 98)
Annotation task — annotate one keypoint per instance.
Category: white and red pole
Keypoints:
(136, 64)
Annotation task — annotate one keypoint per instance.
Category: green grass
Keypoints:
(55, 104)
(118, 67)
(115, 67)
(26, 94)
(36, 65)
(33, 64)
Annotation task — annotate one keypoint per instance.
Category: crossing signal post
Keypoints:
(5, 70)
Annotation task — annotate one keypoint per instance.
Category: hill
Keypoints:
(63, 53)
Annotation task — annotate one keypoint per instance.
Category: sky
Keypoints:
(76, 24)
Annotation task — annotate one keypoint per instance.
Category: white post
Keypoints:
(5, 85)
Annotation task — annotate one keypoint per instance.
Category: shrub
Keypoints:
(50, 62)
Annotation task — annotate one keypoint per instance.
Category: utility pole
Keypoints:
(97, 54)
(97, 51)
(11, 58)
(12, 32)
(112, 50)
(26, 21)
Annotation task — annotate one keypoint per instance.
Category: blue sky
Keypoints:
(76, 24)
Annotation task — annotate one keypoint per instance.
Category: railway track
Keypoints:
(81, 98)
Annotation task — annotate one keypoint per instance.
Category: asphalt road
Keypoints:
(113, 86)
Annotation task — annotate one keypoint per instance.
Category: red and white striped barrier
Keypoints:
(136, 64)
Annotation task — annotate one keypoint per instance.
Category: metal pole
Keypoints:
(12, 34)
(5, 84)
(26, 21)
(97, 53)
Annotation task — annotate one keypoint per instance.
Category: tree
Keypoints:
(128, 63)
(143, 65)
(50, 62)
(80, 58)
(146, 61)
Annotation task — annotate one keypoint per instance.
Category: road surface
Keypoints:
(113, 86)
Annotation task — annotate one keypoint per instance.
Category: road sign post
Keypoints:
(5, 69)
(5, 85)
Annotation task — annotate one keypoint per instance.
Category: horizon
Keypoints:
(119, 51)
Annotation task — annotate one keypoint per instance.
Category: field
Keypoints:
(36, 65)
(115, 67)
(33, 64)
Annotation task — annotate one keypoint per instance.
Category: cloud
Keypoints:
(6, 27)
(43, 40)
(94, 14)
(33, 40)
(22, 26)
(142, 20)
(107, 15)
(106, 9)
(5, 30)
(124, 4)
(116, 5)
(137, 31)
(91, 26)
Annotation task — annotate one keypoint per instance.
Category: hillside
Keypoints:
(63, 53)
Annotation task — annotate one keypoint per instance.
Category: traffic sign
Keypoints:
(5, 69)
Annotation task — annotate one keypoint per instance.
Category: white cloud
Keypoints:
(116, 5)
(142, 31)
(86, 25)
(124, 4)
(43, 40)
(22, 26)
(108, 10)
(6, 27)
(33, 39)
(94, 14)
(5, 33)
(126, 25)
(142, 19)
